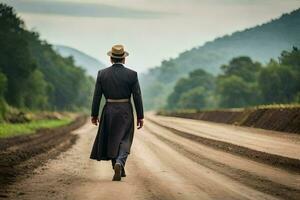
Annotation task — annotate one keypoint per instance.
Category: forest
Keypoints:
(35, 77)
(242, 83)
(261, 43)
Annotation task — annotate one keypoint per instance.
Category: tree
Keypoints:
(197, 79)
(68, 86)
(278, 83)
(169, 72)
(15, 59)
(36, 97)
(181, 86)
(3, 82)
(237, 86)
(235, 92)
(33, 75)
(195, 98)
(292, 59)
(242, 67)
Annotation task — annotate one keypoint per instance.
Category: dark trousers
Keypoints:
(121, 158)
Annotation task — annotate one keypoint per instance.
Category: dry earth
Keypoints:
(167, 164)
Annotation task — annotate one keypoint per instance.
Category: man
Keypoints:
(116, 127)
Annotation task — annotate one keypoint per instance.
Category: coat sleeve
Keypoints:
(97, 97)
(137, 98)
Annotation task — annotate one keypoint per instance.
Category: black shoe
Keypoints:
(123, 174)
(117, 169)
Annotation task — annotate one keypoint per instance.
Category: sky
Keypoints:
(150, 30)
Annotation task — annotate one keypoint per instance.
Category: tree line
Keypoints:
(33, 75)
(260, 43)
(242, 83)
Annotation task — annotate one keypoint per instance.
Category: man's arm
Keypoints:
(138, 103)
(96, 100)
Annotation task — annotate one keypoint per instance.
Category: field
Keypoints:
(10, 130)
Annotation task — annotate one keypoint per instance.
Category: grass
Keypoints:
(9, 130)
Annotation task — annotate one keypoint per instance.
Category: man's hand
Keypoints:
(140, 123)
(95, 120)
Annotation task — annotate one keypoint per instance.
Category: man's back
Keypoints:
(117, 81)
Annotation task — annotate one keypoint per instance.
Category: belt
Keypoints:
(117, 100)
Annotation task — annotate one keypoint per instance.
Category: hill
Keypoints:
(261, 43)
(90, 64)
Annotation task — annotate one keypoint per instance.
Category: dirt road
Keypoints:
(170, 161)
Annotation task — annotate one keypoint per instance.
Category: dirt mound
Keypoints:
(279, 119)
(22, 154)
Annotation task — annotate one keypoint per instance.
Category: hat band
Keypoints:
(114, 54)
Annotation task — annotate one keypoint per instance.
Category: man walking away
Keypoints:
(116, 126)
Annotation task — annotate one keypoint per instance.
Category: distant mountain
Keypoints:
(261, 43)
(90, 64)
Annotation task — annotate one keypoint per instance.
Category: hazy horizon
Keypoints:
(151, 30)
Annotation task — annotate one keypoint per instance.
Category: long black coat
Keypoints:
(116, 128)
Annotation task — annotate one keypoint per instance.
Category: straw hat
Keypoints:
(117, 51)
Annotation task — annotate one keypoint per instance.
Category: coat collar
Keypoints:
(118, 65)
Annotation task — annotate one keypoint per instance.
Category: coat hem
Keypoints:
(99, 159)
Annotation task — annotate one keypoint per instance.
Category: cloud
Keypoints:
(77, 9)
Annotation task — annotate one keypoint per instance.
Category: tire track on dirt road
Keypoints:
(283, 162)
(206, 180)
(72, 175)
(261, 177)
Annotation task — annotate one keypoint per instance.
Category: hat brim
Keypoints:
(114, 56)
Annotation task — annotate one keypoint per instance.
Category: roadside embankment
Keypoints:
(23, 153)
(277, 118)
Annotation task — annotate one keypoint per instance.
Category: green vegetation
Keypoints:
(193, 92)
(242, 83)
(32, 75)
(237, 86)
(9, 130)
(260, 43)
